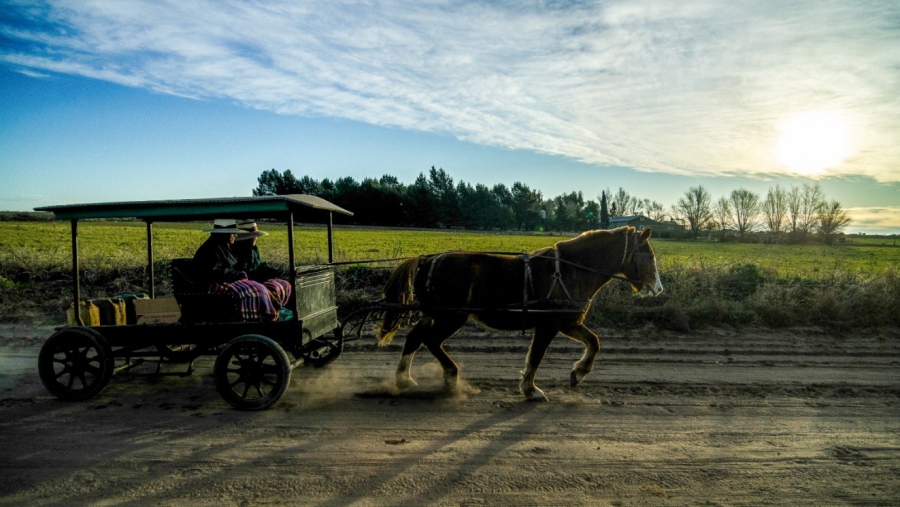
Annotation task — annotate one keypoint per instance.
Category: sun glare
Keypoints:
(814, 141)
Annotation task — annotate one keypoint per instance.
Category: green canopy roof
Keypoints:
(199, 209)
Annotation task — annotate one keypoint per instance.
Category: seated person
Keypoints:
(217, 262)
(251, 262)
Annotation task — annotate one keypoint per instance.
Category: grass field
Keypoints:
(113, 245)
(707, 282)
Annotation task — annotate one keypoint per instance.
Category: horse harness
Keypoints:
(628, 255)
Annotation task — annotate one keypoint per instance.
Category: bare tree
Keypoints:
(803, 208)
(655, 210)
(722, 215)
(695, 207)
(744, 210)
(775, 209)
(831, 219)
(625, 203)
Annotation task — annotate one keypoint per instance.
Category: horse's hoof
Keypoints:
(576, 377)
(406, 383)
(537, 396)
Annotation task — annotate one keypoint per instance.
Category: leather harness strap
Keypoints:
(557, 277)
(434, 261)
(628, 254)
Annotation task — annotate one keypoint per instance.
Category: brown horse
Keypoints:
(549, 290)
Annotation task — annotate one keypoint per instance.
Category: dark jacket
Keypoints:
(249, 260)
(215, 261)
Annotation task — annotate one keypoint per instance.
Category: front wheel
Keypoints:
(252, 372)
(321, 352)
(75, 364)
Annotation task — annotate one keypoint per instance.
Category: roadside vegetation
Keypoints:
(707, 283)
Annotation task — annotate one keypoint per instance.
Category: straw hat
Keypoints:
(250, 230)
(225, 226)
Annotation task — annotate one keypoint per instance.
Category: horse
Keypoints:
(548, 290)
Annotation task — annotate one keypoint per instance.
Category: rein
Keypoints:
(528, 283)
(557, 259)
(519, 254)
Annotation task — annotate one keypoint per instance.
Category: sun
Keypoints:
(814, 141)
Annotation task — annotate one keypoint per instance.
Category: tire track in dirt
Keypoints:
(749, 417)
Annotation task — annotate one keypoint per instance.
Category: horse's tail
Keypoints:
(399, 290)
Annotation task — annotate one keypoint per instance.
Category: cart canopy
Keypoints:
(198, 209)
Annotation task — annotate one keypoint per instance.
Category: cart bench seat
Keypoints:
(196, 302)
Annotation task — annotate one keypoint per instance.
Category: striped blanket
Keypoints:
(259, 301)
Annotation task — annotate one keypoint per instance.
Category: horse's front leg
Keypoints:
(539, 344)
(445, 326)
(591, 347)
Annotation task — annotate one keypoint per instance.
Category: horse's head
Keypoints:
(640, 265)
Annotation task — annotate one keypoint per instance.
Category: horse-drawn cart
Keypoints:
(254, 360)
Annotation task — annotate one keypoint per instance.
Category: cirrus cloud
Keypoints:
(694, 87)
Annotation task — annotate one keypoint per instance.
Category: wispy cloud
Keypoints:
(881, 219)
(690, 87)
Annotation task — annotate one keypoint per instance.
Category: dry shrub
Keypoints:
(743, 294)
(37, 287)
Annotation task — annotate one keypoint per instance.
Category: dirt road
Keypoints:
(747, 417)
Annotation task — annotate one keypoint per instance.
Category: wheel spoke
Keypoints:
(246, 390)
(71, 380)
(270, 369)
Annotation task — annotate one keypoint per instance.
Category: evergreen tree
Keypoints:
(526, 206)
(604, 212)
(419, 203)
(446, 200)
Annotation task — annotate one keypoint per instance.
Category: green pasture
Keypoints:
(706, 282)
(117, 245)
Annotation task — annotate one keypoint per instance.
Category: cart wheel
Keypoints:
(323, 353)
(252, 372)
(75, 364)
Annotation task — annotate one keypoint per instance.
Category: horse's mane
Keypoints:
(591, 235)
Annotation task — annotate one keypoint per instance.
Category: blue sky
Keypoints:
(136, 100)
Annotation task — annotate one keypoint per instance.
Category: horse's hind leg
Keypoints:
(539, 343)
(591, 346)
(444, 327)
(412, 345)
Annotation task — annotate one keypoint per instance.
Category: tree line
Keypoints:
(791, 215)
(435, 200)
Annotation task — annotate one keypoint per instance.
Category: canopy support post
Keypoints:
(330, 241)
(76, 279)
(291, 263)
(150, 271)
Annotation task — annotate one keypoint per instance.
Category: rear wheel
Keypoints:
(252, 372)
(75, 364)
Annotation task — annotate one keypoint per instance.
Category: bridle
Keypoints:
(629, 255)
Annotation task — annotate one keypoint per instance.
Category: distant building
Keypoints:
(640, 221)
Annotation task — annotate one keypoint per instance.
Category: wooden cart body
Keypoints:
(77, 361)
